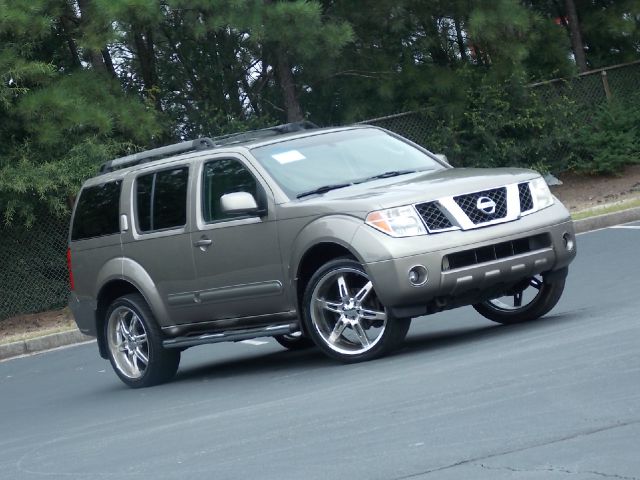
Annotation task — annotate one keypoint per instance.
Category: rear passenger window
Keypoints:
(97, 211)
(161, 199)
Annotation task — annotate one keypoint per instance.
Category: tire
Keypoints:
(134, 344)
(540, 293)
(344, 316)
(294, 341)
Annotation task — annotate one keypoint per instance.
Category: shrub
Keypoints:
(610, 139)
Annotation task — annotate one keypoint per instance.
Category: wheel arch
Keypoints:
(107, 294)
(312, 259)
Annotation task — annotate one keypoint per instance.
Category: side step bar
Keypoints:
(230, 336)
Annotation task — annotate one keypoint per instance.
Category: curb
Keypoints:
(39, 344)
(55, 340)
(607, 220)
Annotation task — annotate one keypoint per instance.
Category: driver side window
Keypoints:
(219, 178)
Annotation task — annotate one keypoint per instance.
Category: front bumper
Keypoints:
(550, 248)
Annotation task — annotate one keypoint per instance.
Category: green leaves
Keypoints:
(611, 138)
(59, 122)
(84, 80)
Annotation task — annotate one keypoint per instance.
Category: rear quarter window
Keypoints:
(97, 211)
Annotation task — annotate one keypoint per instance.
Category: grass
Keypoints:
(21, 337)
(34, 325)
(616, 207)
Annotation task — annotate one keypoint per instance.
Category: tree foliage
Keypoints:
(82, 81)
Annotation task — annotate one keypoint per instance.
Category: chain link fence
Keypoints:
(582, 94)
(595, 87)
(33, 263)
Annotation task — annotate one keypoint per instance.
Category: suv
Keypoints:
(336, 237)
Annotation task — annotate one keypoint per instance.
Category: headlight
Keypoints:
(397, 222)
(541, 193)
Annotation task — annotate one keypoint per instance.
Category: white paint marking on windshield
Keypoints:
(288, 157)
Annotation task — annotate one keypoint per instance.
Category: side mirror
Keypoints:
(238, 203)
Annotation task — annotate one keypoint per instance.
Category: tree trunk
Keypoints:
(226, 57)
(576, 37)
(100, 59)
(288, 87)
(460, 39)
(146, 57)
(68, 25)
(438, 54)
(285, 80)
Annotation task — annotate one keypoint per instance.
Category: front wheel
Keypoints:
(135, 346)
(529, 300)
(344, 316)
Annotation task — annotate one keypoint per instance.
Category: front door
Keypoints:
(239, 271)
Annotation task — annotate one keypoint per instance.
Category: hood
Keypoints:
(406, 189)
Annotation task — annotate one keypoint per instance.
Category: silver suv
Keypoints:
(334, 237)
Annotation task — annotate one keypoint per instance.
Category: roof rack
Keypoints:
(264, 133)
(203, 143)
(156, 154)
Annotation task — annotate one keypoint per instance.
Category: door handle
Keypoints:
(203, 243)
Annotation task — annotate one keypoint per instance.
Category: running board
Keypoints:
(230, 336)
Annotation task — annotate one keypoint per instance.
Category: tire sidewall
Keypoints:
(545, 300)
(150, 376)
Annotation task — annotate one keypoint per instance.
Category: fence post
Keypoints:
(605, 84)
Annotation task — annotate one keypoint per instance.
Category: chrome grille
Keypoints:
(526, 201)
(468, 203)
(433, 217)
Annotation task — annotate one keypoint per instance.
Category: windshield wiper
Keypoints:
(323, 189)
(390, 173)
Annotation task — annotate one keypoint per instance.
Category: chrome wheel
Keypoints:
(528, 300)
(520, 297)
(127, 340)
(346, 313)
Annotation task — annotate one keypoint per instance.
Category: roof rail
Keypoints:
(203, 143)
(264, 133)
(157, 154)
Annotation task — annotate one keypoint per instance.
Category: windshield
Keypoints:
(334, 159)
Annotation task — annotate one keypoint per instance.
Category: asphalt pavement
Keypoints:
(464, 398)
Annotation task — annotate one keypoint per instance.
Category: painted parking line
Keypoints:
(254, 342)
(626, 227)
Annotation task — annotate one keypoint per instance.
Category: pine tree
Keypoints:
(61, 115)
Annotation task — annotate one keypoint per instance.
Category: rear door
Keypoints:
(158, 245)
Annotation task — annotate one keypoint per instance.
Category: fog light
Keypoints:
(418, 275)
(569, 242)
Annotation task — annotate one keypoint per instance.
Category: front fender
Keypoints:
(332, 229)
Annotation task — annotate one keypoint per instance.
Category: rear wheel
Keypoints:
(134, 344)
(529, 300)
(344, 316)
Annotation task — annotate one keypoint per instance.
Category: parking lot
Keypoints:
(464, 398)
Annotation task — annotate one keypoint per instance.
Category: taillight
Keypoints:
(71, 284)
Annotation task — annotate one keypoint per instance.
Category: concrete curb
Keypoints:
(43, 343)
(56, 340)
(607, 220)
